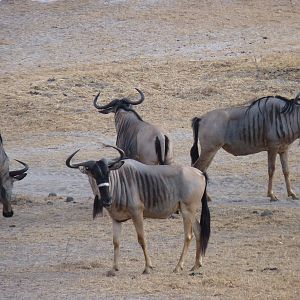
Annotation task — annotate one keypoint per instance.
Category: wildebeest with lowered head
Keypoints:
(129, 189)
(7, 179)
(268, 124)
(138, 139)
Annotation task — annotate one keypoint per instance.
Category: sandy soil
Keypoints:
(188, 57)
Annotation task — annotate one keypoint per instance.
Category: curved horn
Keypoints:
(112, 103)
(122, 154)
(74, 166)
(19, 172)
(139, 101)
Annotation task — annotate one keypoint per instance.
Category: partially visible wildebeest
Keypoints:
(129, 189)
(268, 124)
(7, 179)
(138, 139)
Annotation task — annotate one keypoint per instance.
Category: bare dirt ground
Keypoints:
(188, 57)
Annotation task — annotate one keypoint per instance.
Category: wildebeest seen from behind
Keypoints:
(7, 179)
(138, 139)
(129, 189)
(268, 124)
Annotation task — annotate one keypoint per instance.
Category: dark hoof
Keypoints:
(8, 214)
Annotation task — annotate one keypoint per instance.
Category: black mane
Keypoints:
(288, 107)
(126, 107)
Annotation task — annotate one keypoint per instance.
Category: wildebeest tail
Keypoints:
(194, 152)
(158, 151)
(167, 150)
(98, 207)
(162, 149)
(204, 220)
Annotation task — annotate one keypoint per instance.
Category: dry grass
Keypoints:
(188, 58)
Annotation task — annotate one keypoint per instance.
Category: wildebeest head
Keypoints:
(116, 104)
(99, 170)
(7, 178)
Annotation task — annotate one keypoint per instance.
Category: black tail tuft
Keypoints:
(194, 152)
(204, 220)
(167, 143)
(98, 207)
(158, 151)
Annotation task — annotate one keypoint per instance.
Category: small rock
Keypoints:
(52, 195)
(196, 274)
(69, 199)
(270, 269)
(12, 225)
(49, 203)
(266, 213)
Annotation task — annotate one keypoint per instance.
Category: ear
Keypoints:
(116, 166)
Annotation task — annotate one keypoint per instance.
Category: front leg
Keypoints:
(117, 227)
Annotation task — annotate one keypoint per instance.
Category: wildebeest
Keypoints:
(132, 190)
(7, 179)
(138, 139)
(268, 124)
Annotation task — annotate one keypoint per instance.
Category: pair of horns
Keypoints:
(113, 102)
(88, 163)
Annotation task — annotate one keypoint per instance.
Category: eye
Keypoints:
(83, 169)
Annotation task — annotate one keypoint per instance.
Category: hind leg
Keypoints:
(139, 227)
(271, 169)
(205, 159)
(187, 224)
(286, 173)
(198, 260)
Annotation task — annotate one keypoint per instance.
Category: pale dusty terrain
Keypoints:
(188, 57)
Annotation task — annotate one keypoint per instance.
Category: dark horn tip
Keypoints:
(68, 160)
(22, 163)
(95, 100)
(121, 151)
(140, 92)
